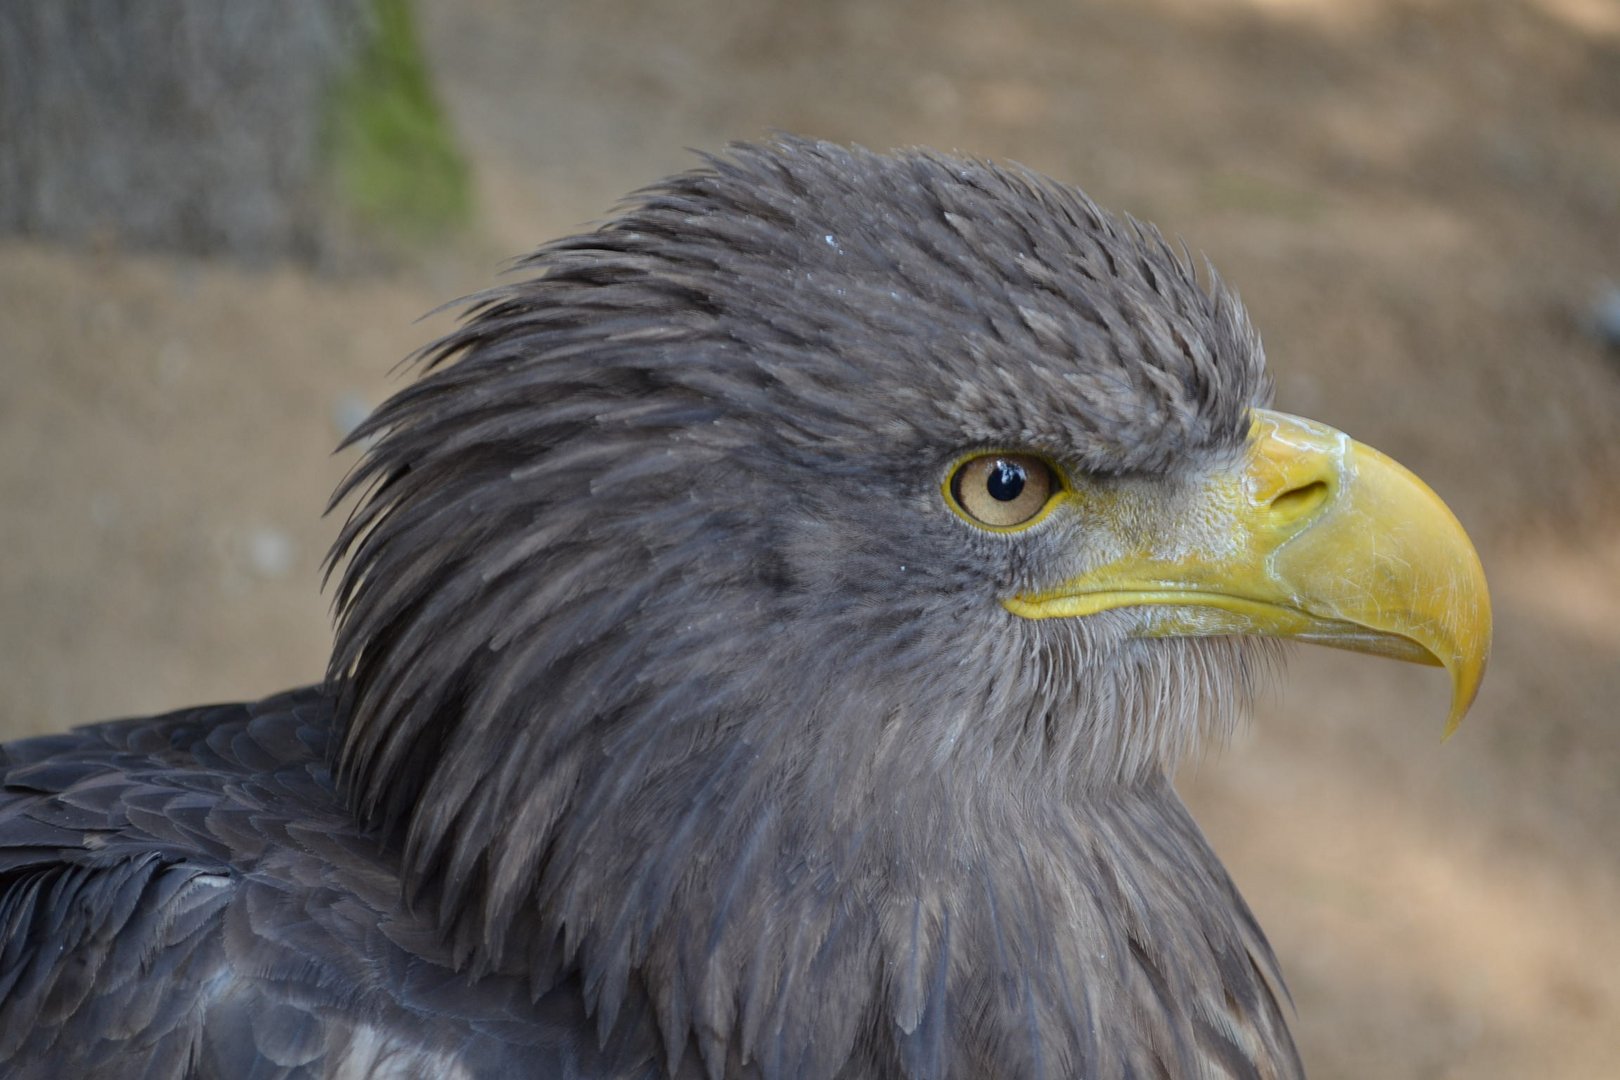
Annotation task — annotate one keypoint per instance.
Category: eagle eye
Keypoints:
(1003, 491)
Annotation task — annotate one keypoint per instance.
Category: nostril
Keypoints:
(1298, 502)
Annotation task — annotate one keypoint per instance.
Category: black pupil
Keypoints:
(1006, 481)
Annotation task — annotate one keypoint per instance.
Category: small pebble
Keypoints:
(173, 361)
(270, 553)
(105, 510)
(348, 413)
(1605, 316)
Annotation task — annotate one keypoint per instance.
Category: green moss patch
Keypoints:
(393, 158)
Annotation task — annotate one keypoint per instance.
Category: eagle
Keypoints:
(766, 632)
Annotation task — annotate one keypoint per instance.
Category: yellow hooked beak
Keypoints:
(1314, 537)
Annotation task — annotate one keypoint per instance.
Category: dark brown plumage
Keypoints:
(676, 723)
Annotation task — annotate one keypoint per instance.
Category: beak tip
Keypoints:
(1466, 682)
(1452, 724)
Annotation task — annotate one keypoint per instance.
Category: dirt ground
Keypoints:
(1419, 200)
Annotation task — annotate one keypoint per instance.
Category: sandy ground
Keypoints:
(1417, 200)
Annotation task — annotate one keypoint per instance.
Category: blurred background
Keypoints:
(212, 262)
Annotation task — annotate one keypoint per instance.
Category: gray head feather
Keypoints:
(665, 662)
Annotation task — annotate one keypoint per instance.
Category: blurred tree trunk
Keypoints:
(235, 126)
